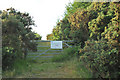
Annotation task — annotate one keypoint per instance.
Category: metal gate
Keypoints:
(44, 50)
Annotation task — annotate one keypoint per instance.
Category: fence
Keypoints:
(44, 49)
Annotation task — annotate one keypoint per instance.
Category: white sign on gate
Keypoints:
(56, 44)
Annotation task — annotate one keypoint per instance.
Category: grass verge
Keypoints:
(19, 67)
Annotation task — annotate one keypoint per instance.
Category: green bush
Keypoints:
(16, 36)
(102, 58)
(8, 57)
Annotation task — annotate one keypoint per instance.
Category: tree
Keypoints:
(50, 37)
(73, 7)
(37, 36)
(16, 37)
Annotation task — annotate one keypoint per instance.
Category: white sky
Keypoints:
(45, 12)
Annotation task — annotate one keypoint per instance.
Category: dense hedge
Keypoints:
(101, 57)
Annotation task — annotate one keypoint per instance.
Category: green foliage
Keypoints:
(97, 21)
(9, 57)
(79, 37)
(49, 36)
(112, 33)
(94, 21)
(102, 58)
(16, 35)
(65, 28)
(62, 30)
(37, 36)
(72, 7)
(104, 15)
(79, 27)
(57, 33)
(112, 30)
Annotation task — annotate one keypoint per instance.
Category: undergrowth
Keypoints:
(20, 66)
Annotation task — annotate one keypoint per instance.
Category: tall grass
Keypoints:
(20, 67)
(82, 71)
(67, 54)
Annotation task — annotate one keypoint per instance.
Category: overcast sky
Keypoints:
(45, 12)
